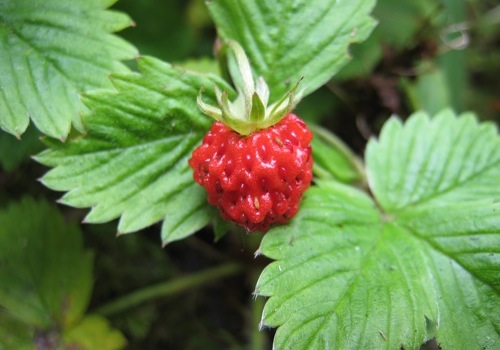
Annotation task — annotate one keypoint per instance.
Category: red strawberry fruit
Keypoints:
(255, 162)
(255, 180)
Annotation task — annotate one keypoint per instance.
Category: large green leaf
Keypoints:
(421, 261)
(287, 40)
(133, 161)
(50, 51)
(46, 275)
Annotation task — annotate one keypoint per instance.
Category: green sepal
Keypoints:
(258, 109)
(249, 111)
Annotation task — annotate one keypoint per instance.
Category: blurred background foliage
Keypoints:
(424, 54)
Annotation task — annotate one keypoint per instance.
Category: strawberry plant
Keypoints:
(328, 138)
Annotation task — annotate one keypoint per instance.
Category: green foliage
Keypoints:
(46, 281)
(483, 60)
(399, 25)
(50, 52)
(287, 40)
(401, 21)
(427, 41)
(46, 276)
(93, 332)
(384, 255)
(133, 161)
(201, 65)
(421, 261)
(431, 78)
(14, 334)
(443, 161)
(333, 159)
(169, 30)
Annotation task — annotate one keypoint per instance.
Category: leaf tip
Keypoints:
(164, 244)
(60, 200)
(257, 253)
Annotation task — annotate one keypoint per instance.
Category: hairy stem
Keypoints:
(168, 288)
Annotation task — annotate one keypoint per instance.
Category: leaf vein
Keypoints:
(449, 189)
(440, 250)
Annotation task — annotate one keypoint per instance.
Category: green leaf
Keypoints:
(401, 25)
(400, 21)
(420, 262)
(50, 51)
(365, 57)
(455, 63)
(94, 332)
(440, 162)
(200, 65)
(429, 92)
(46, 275)
(164, 29)
(133, 161)
(333, 159)
(14, 334)
(287, 40)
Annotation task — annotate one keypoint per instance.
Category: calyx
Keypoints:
(250, 111)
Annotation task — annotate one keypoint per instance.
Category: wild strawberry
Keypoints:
(255, 180)
(255, 162)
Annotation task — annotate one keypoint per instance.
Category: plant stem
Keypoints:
(168, 288)
(258, 338)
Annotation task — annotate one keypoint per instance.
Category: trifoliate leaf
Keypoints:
(133, 161)
(50, 51)
(46, 275)
(94, 332)
(421, 261)
(287, 40)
